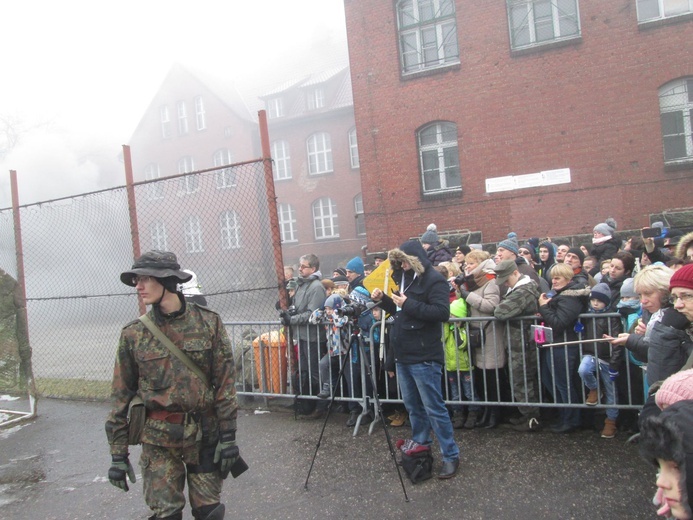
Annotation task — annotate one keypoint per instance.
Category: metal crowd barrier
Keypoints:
(271, 363)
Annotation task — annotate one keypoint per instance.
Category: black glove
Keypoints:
(285, 318)
(120, 468)
(227, 452)
(464, 293)
(673, 318)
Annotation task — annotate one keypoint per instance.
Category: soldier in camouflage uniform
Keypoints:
(190, 429)
(520, 300)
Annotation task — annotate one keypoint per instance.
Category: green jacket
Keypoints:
(521, 300)
(455, 345)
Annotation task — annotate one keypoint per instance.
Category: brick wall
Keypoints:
(591, 106)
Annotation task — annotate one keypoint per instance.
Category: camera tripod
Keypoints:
(357, 338)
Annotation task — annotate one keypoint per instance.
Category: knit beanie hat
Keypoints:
(334, 301)
(683, 277)
(458, 308)
(510, 243)
(340, 271)
(676, 387)
(430, 236)
(577, 252)
(628, 289)
(360, 295)
(606, 228)
(602, 293)
(355, 265)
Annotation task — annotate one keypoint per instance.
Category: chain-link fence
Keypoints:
(74, 249)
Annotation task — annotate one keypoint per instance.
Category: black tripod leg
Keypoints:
(327, 415)
(379, 412)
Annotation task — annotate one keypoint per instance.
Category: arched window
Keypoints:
(225, 178)
(155, 190)
(427, 34)
(353, 149)
(282, 160)
(439, 158)
(230, 230)
(676, 115)
(192, 229)
(359, 217)
(325, 219)
(319, 153)
(287, 222)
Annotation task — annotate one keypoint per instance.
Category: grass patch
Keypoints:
(73, 389)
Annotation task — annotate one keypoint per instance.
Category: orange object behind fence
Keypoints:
(269, 350)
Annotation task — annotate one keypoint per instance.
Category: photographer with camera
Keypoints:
(419, 309)
(310, 295)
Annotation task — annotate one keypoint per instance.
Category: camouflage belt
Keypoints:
(178, 417)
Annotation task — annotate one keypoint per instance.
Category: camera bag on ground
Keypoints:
(416, 460)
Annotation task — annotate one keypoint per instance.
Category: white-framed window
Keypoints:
(188, 183)
(192, 229)
(155, 190)
(536, 22)
(275, 108)
(230, 230)
(282, 160)
(676, 115)
(182, 118)
(439, 158)
(353, 149)
(359, 216)
(158, 236)
(200, 116)
(225, 178)
(427, 34)
(316, 98)
(325, 222)
(165, 118)
(319, 153)
(287, 222)
(649, 10)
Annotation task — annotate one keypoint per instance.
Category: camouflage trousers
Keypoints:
(164, 473)
(523, 370)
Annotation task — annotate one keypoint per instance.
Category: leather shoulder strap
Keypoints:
(146, 320)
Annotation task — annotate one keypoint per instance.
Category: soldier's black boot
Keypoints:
(211, 512)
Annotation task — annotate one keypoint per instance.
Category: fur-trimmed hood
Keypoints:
(685, 242)
(412, 252)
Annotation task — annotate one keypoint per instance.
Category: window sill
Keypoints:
(651, 24)
(428, 197)
(430, 72)
(686, 164)
(545, 46)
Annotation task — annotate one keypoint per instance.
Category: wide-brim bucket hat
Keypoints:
(159, 264)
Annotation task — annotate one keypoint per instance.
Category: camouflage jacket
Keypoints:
(521, 300)
(146, 367)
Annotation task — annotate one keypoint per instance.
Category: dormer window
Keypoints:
(316, 98)
(275, 108)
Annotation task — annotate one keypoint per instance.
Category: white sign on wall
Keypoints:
(529, 180)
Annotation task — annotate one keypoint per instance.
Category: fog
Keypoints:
(78, 75)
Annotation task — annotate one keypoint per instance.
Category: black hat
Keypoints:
(159, 264)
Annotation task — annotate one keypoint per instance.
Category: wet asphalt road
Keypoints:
(55, 467)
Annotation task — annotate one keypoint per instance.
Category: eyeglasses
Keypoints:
(524, 252)
(140, 279)
(301, 266)
(685, 298)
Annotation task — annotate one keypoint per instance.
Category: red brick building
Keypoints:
(534, 116)
(316, 168)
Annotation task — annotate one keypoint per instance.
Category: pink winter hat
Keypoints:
(676, 387)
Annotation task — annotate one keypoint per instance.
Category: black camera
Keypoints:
(460, 279)
(351, 310)
(285, 315)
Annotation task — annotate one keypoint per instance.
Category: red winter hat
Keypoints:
(683, 277)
